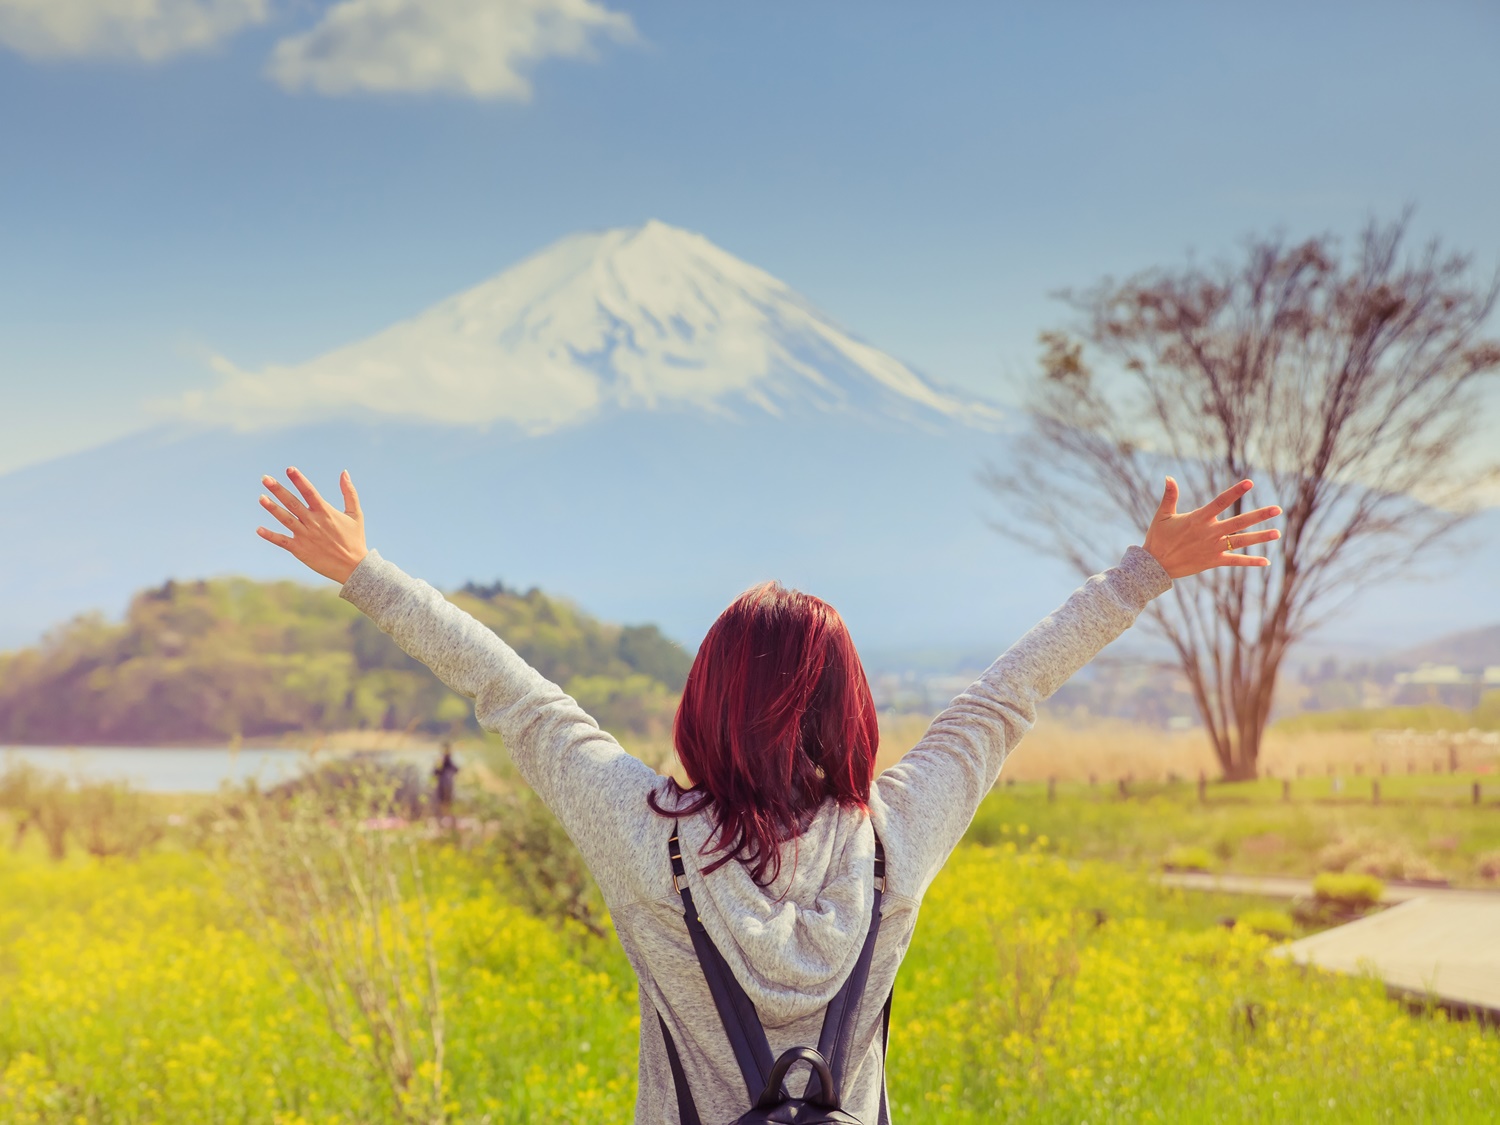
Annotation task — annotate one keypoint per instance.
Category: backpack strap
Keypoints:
(842, 1014)
(885, 1051)
(686, 1110)
(742, 1023)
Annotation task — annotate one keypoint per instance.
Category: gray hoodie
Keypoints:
(791, 944)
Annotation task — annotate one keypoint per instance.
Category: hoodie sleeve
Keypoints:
(594, 787)
(930, 795)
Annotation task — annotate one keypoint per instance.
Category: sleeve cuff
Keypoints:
(369, 584)
(1140, 577)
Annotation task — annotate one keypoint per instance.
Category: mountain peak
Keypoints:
(655, 229)
(633, 318)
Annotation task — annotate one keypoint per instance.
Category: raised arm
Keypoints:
(582, 774)
(927, 799)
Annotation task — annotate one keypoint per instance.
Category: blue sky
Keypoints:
(254, 179)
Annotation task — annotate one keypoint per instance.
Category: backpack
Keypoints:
(770, 1102)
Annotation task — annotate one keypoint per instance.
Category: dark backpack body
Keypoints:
(764, 1079)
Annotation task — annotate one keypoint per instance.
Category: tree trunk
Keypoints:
(1233, 694)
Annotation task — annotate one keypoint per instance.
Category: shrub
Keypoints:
(1188, 858)
(114, 819)
(1338, 855)
(387, 787)
(1367, 854)
(1487, 865)
(1352, 890)
(39, 800)
(1275, 924)
(106, 817)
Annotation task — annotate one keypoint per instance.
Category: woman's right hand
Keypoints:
(325, 539)
(1190, 542)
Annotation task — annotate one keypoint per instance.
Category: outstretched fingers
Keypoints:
(1189, 542)
(1229, 559)
(288, 520)
(315, 502)
(1246, 519)
(351, 497)
(285, 495)
(1249, 538)
(1225, 499)
(1168, 506)
(324, 538)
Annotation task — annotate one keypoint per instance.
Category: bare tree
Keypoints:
(1346, 389)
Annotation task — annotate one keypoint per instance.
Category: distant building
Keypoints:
(1158, 694)
(1446, 684)
(1435, 674)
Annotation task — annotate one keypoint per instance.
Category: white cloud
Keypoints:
(472, 47)
(144, 29)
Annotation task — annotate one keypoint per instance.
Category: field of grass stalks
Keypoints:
(1329, 800)
(256, 962)
(1109, 749)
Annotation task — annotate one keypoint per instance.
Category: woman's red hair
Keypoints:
(775, 718)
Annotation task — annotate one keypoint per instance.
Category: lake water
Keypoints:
(176, 770)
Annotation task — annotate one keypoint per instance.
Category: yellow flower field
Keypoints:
(134, 992)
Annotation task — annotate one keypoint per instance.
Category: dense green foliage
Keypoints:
(224, 658)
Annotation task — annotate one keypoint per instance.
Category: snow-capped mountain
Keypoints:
(638, 318)
(634, 419)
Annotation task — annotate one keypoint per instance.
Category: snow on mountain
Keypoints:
(632, 318)
(636, 419)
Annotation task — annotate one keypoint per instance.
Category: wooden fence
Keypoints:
(1404, 767)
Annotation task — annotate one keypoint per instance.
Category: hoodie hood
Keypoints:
(810, 923)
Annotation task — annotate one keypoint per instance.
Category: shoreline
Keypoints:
(355, 740)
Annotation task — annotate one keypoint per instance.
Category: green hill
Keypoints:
(224, 658)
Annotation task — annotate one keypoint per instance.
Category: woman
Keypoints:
(777, 733)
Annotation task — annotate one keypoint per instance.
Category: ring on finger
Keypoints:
(1229, 542)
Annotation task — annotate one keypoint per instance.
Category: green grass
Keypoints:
(1423, 717)
(1247, 827)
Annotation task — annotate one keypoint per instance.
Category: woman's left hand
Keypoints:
(1190, 542)
(329, 541)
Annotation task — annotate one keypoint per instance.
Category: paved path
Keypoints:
(1447, 947)
(1436, 941)
(1288, 886)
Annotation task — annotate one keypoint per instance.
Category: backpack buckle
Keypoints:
(674, 850)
